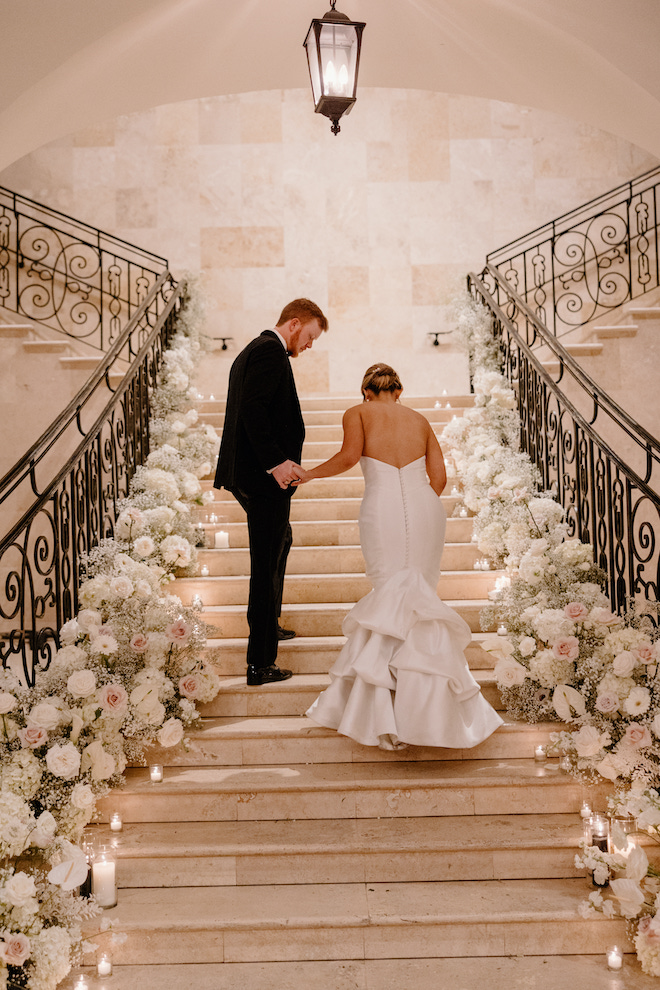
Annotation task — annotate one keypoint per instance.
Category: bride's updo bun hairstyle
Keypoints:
(381, 378)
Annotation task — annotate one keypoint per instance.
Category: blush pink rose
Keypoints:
(113, 698)
(608, 702)
(178, 632)
(645, 653)
(33, 736)
(576, 611)
(638, 736)
(566, 648)
(139, 642)
(189, 686)
(15, 949)
(647, 926)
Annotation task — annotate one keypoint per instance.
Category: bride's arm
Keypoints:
(351, 448)
(435, 463)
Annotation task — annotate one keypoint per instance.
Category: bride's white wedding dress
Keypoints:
(402, 677)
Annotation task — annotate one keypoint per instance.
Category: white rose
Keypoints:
(69, 632)
(7, 702)
(63, 761)
(121, 586)
(20, 890)
(82, 797)
(101, 764)
(624, 663)
(509, 672)
(589, 741)
(45, 716)
(44, 831)
(89, 619)
(171, 733)
(144, 546)
(82, 683)
(526, 646)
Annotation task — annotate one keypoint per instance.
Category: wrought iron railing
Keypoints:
(603, 466)
(588, 262)
(59, 501)
(69, 276)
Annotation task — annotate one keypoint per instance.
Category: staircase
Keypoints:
(277, 854)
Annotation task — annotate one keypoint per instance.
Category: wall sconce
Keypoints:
(437, 334)
(333, 45)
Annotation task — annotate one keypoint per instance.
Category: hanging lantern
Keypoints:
(333, 54)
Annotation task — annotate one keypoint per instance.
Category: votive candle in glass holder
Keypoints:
(222, 540)
(81, 984)
(502, 630)
(437, 404)
(585, 810)
(116, 824)
(104, 886)
(565, 763)
(204, 571)
(614, 957)
(599, 831)
(104, 965)
(156, 773)
(462, 512)
(540, 754)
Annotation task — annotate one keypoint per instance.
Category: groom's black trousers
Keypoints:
(270, 541)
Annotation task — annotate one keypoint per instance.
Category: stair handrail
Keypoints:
(74, 509)
(591, 259)
(64, 274)
(608, 502)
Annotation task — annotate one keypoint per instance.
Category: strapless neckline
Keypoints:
(387, 464)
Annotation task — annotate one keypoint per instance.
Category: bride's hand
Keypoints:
(301, 481)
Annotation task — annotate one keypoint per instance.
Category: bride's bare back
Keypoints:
(385, 430)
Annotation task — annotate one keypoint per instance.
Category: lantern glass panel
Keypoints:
(338, 45)
(313, 62)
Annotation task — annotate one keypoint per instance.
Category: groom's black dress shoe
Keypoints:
(285, 633)
(267, 675)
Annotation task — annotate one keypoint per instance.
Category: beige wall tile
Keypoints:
(99, 136)
(219, 120)
(348, 286)
(242, 247)
(137, 207)
(261, 118)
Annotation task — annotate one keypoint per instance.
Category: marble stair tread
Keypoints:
(324, 560)
(559, 972)
(156, 839)
(293, 697)
(324, 532)
(359, 920)
(314, 654)
(260, 739)
(309, 589)
(385, 789)
(317, 619)
(309, 509)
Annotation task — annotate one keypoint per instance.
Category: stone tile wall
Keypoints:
(379, 225)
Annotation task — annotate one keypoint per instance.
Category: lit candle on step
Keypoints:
(222, 540)
(116, 822)
(614, 957)
(104, 965)
(104, 886)
(463, 512)
(539, 755)
(81, 984)
(204, 571)
(585, 810)
(502, 630)
(156, 773)
(438, 404)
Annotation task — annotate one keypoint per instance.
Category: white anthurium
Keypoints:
(637, 864)
(72, 870)
(568, 703)
(630, 896)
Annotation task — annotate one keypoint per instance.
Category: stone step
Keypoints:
(308, 509)
(326, 560)
(295, 739)
(392, 787)
(390, 850)
(46, 346)
(645, 312)
(316, 451)
(293, 697)
(623, 330)
(329, 403)
(341, 486)
(327, 425)
(312, 655)
(81, 363)
(319, 619)
(510, 972)
(359, 920)
(308, 589)
(319, 533)
(15, 330)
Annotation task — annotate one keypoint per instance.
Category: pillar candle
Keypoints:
(104, 887)
(222, 540)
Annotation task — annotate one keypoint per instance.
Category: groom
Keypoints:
(259, 459)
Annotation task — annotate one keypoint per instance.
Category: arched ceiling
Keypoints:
(67, 64)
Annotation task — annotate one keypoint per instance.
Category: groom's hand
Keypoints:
(286, 473)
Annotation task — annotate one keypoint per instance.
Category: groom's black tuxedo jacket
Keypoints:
(263, 422)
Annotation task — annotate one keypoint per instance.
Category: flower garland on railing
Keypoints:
(126, 677)
(565, 657)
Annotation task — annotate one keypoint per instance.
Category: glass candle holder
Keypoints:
(104, 883)
(462, 513)
(614, 956)
(222, 540)
(621, 828)
(585, 810)
(156, 773)
(204, 571)
(116, 823)
(89, 850)
(540, 754)
(502, 629)
(104, 965)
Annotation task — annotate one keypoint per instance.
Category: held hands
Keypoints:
(288, 473)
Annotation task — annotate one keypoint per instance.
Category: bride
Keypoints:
(402, 677)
